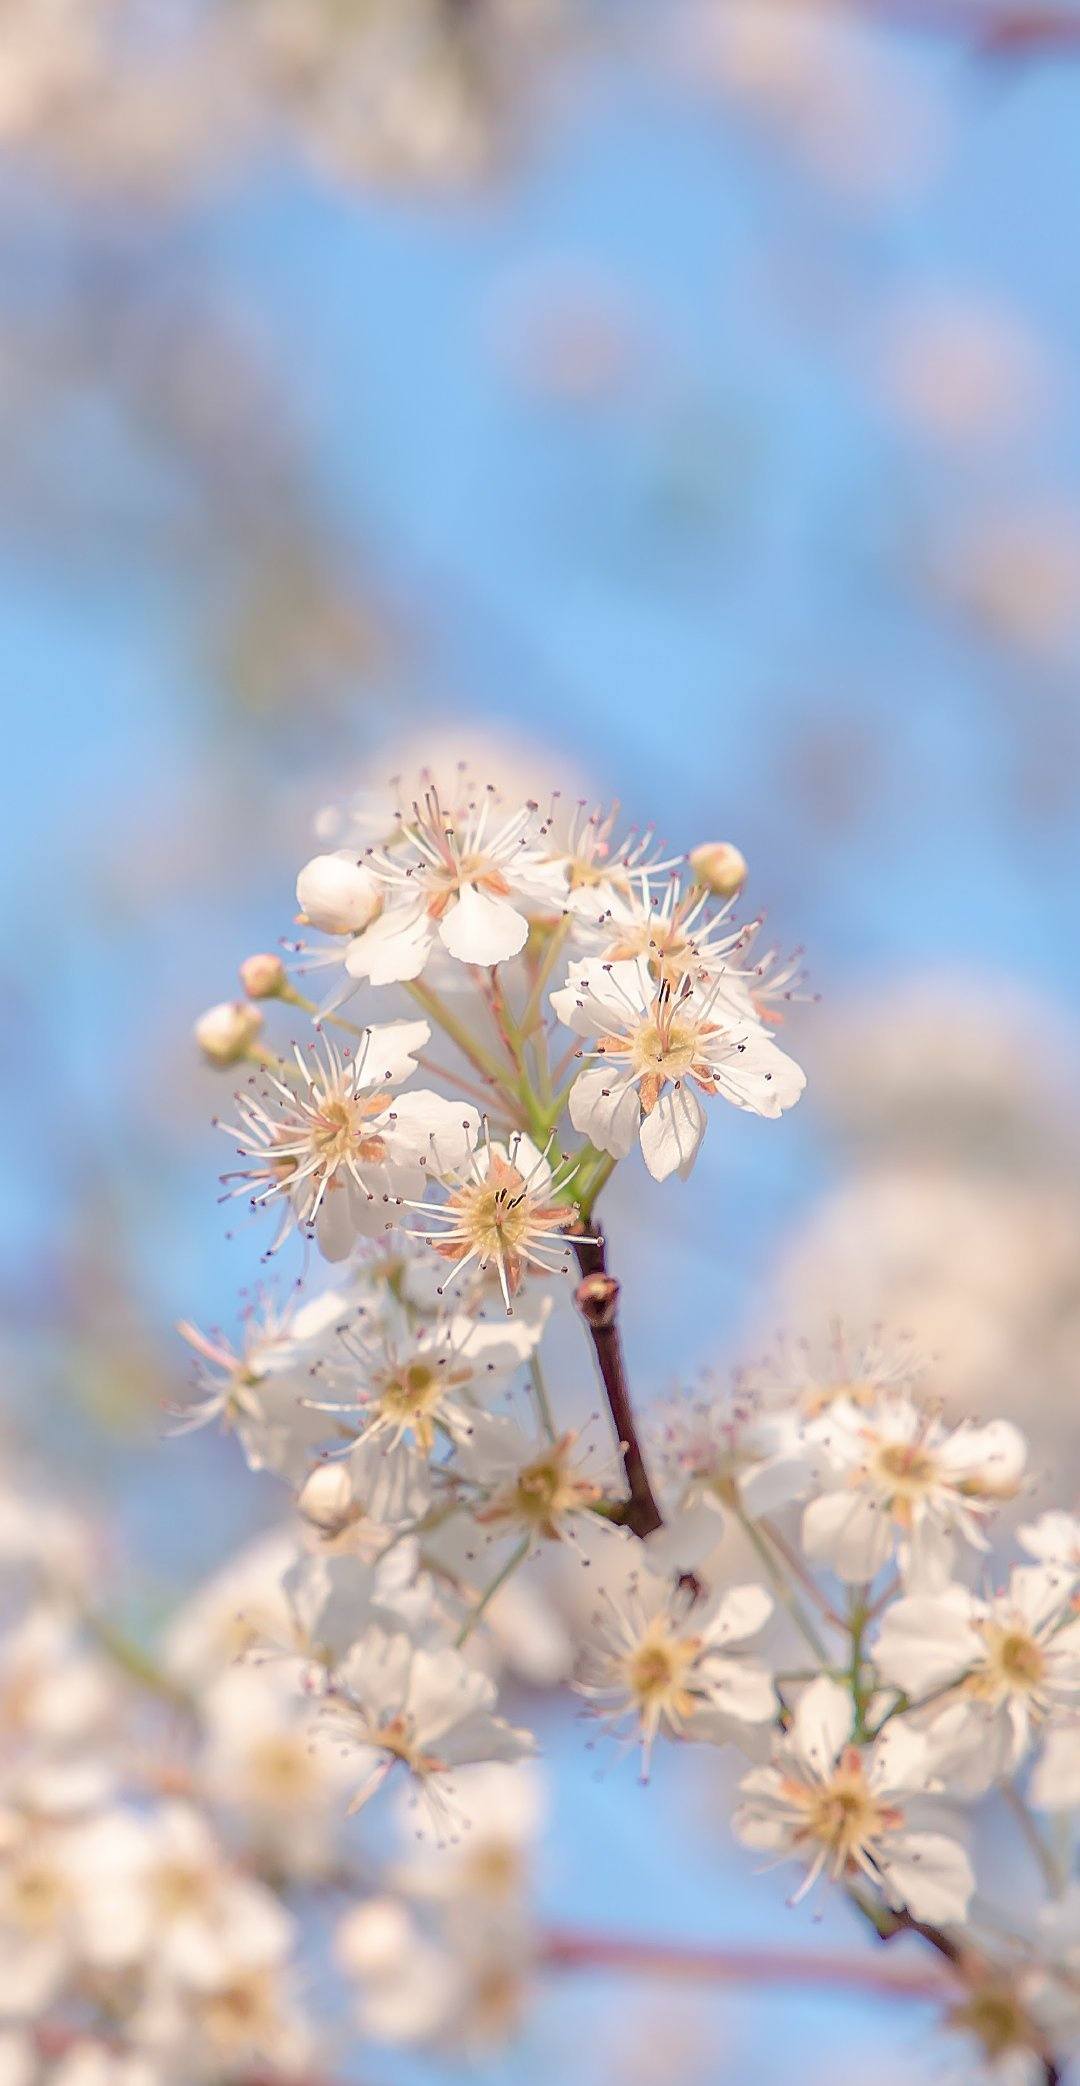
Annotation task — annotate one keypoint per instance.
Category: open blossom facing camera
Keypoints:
(502, 1214)
(994, 1673)
(787, 1569)
(896, 1479)
(334, 1145)
(463, 877)
(845, 1810)
(660, 1660)
(659, 1048)
(392, 1703)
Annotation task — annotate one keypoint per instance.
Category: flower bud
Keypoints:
(326, 1498)
(263, 977)
(337, 894)
(226, 1032)
(719, 867)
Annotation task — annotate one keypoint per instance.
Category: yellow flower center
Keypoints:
(657, 1675)
(842, 1815)
(1013, 1663)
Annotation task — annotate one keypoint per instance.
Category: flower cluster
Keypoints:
(800, 1571)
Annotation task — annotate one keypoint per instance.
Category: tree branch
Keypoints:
(1003, 31)
(566, 1949)
(597, 1299)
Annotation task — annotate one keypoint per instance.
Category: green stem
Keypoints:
(136, 1663)
(532, 1016)
(292, 998)
(1047, 1861)
(515, 1558)
(435, 1007)
(784, 1589)
(540, 1393)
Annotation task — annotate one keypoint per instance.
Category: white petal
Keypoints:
(605, 1111)
(738, 1688)
(387, 1053)
(821, 1726)
(740, 1613)
(670, 1136)
(849, 1532)
(394, 948)
(925, 1641)
(483, 929)
(929, 1874)
(761, 1078)
(1055, 1784)
(425, 1125)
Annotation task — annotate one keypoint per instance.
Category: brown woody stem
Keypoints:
(597, 1299)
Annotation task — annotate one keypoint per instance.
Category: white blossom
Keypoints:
(991, 1673)
(335, 1146)
(393, 1703)
(661, 1660)
(895, 1478)
(846, 1811)
(657, 1049)
(502, 1212)
(459, 879)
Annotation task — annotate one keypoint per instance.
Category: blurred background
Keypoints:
(673, 403)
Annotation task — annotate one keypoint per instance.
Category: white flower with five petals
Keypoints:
(658, 1048)
(845, 1811)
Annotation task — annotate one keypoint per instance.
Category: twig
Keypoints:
(566, 1949)
(597, 1299)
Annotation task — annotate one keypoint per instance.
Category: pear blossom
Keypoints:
(809, 1376)
(488, 1867)
(57, 1697)
(336, 1146)
(461, 880)
(166, 1892)
(532, 1490)
(393, 1703)
(990, 1675)
(848, 1811)
(260, 1386)
(660, 1659)
(454, 1984)
(658, 1047)
(721, 1449)
(599, 872)
(238, 1606)
(257, 1762)
(502, 1212)
(44, 1910)
(231, 2004)
(421, 1379)
(896, 1478)
(677, 933)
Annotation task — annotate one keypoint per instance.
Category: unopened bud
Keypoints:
(337, 894)
(597, 1300)
(263, 977)
(326, 1498)
(720, 867)
(226, 1032)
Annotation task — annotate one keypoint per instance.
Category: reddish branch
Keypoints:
(999, 31)
(597, 1299)
(568, 1950)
